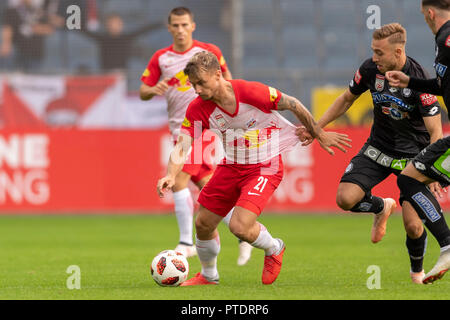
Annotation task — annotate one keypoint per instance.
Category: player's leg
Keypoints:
(354, 193)
(184, 212)
(255, 190)
(243, 225)
(413, 185)
(416, 241)
(245, 249)
(207, 243)
(216, 199)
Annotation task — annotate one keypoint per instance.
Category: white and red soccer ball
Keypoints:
(169, 268)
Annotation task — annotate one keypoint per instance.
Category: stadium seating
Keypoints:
(292, 35)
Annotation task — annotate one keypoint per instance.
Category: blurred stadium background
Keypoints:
(74, 137)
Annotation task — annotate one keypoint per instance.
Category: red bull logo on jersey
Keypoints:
(180, 81)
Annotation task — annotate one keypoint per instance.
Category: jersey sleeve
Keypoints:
(429, 104)
(152, 73)
(195, 121)
(259, 95)
(358, 83)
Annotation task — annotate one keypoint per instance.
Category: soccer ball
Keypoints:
(169, 268)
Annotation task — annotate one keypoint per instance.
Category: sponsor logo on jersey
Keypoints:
(186, 123)
(396, 114)
(393, 90)
(419, 165)
(427, 206)
(399, 103)
(379, 82)
(428, 99)
(440, 69)
(447, 42)
(146, 73)
(358, 77)
(273, 94)
(180, 81)
(220, 121)
(222, 61)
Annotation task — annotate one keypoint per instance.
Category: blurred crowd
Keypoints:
(26, 23)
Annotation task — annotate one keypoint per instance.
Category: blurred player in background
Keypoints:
(253, 136)
(164, 76)
(431, 164)
(405, 122)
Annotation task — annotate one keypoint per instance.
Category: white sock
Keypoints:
(227, 218)
(184, 211)
(207, 251)
(266, 242)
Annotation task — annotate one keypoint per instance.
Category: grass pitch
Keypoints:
(327, 257)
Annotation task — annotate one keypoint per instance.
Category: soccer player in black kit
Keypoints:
(432, 163)
(404, 123)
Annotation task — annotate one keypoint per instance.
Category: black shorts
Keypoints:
(434, 161)
(367, 173)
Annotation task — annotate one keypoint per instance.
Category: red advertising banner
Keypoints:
(115, 171)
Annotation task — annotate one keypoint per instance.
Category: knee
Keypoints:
(202, 226)
(414, 229)
(238, 229)
(345, 201)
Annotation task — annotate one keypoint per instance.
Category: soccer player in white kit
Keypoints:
(253, 135)
(164, 76)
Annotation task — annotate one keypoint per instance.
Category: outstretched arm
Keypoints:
(325, 139)
(338, 108)
(401, 80)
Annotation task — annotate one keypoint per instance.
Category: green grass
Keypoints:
(327, 257)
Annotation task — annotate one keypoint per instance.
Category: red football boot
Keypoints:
(272, 266)
(198, 280)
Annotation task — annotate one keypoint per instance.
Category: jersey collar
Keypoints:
(442, 28)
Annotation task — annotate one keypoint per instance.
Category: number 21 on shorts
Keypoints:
(259, 187)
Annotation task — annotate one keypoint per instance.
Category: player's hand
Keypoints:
(161, 87)
(397, 79)
(165, 184)
(328, 139)
(304, 136)
(436, 189)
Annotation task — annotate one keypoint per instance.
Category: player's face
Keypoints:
(384, 55)
(181, 28)
(205, 84)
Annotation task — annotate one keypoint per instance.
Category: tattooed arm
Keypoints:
(325, 139)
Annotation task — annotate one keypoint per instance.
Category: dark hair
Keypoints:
(180, 11)
(440, 4)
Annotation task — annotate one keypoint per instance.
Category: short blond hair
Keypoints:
(394, 31)
(202, 61)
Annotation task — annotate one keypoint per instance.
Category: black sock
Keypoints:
(369, 203)
(416, 250)
(426, 206)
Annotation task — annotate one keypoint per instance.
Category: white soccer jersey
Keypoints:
(255, 133)
(169, 64)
